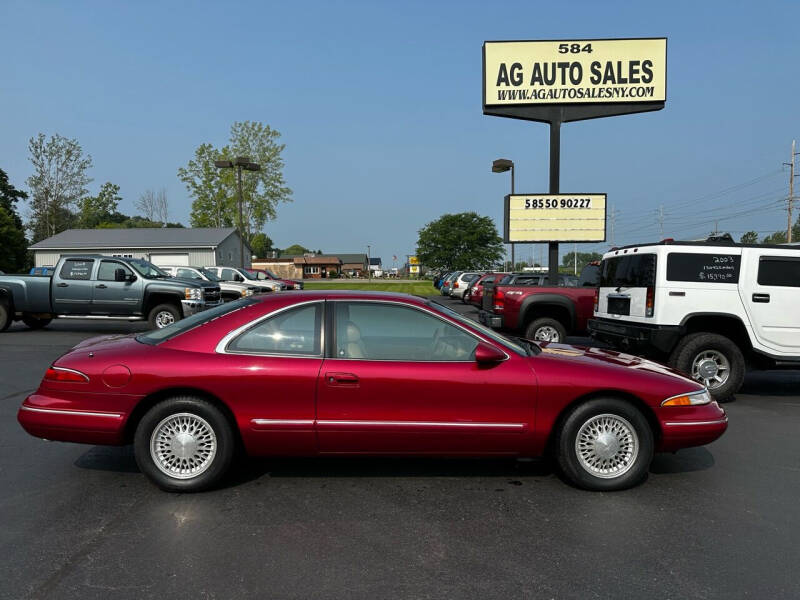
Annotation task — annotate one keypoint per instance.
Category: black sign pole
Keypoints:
(555, 168)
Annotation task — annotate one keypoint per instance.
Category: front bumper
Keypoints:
(191, 307)
(635, 335)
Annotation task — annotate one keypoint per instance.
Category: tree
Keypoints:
(153, 205)
(462, 241)
(93, 210)
(297, 249)
(261, 245)
(584, 258)
(59, 180)
(13, 246)
(750, 237)
(215, 190)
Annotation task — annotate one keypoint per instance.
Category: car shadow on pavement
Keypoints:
(684, 461)
(119, 459)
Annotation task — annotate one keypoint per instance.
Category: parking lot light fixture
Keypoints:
(501, 165)
(241, 162)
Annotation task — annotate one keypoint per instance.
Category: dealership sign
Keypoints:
(531, 218)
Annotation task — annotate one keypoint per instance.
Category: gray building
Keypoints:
(203, 247)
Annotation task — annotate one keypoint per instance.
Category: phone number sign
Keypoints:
(531, 218)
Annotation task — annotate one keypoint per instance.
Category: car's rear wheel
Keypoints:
(545, 329)
(34, 322)
(163, 315)
(712, 360)
(184, 444)
(5, 316)
(605, 444)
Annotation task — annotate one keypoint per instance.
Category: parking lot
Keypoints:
(81, 522)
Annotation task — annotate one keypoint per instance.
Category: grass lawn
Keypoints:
(419, 288)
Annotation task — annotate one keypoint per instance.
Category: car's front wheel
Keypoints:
(184, 444)
(605, 444)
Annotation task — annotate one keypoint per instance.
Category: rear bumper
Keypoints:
(490, 319)
(635, 335)
(695, 426)
(40, 418)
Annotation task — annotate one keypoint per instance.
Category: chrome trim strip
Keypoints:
(79, 413)
(282, 421)
(427, 424)
(714, 422)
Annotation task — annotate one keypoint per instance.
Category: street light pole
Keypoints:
(501, 165)
(369, 263)
(241, 162)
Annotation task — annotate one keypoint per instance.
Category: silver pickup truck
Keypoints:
(103, 287)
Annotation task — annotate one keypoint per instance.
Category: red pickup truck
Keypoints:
(537, 311)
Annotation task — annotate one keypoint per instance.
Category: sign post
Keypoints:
(559, 81)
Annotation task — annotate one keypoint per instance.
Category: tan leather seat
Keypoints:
(352, 347)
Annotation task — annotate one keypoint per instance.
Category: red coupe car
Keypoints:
(335, 373)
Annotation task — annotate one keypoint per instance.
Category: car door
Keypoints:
(274, 363)
(111, 297)
(400, 379)
(770, 289)
(72, 287)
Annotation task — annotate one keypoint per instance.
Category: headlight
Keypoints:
(691, 399)
(248, 291)
(193, 293)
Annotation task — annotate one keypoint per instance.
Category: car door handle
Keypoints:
(341, 378)
(62, 285)
(760, 297)
(102, 286)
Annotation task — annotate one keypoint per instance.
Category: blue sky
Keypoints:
(378, 104)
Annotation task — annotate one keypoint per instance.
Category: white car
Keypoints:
(230, 290)
(708, 308)
(238, 275)
(461, 283)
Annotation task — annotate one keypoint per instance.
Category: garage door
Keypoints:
(170, 259)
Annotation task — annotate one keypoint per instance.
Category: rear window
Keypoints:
(780, 271)
(637, 270)
(156, 336)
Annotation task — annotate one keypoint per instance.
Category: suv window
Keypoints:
(638, 270)
(379, 331)
(107, 269)
(228, 275)
(706, 268)
(295, 331)
(779, 270)
(76, 268)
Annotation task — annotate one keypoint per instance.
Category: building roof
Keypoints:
(143, 237)
(317, 260)
(351, 258)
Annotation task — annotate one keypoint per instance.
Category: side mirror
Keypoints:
(130, 277)
(488, 355)
(119, 275)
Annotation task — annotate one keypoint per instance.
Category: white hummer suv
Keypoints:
(710, 309)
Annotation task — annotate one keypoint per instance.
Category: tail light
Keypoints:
(65, 375)
(499, 300)
(596, 299)
(455, 284)
(650, 301)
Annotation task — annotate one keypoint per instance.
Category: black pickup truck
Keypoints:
(103, 287)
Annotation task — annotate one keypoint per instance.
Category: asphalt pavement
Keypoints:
(76, 521)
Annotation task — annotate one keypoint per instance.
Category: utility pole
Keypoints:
(790, 200)
(612, 217)
(369, 263)
(661, 220)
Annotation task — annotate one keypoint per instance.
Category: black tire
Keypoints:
(158, 319)
(548, 330)
(689, 350)
(202, 414)
(617, 412)
(5, 316)
(35, 323)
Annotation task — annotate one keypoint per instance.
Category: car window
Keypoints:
(156, 336)
(228, 275)
(77, 268)
(188, 274)
(107, 269)
(294, 331)
(381, 331)
(779, 271)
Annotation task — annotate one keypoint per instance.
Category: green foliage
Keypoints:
(215, 190)
(584, 258)
(13, 250)
(297, 249)
(9, 196)
(261, 244)
(463, 241)
(93, 210)
(120, 221)
(750, 237)
(58, 181)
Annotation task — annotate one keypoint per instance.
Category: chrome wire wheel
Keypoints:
(546, 333)
(164, 318)
(183, 446)
(607, 446)
(711, 368)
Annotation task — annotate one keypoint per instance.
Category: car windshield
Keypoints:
(147, 269)
(209, 274)
(523, 350)
(156, 336)
(248, 274)
(271, 274)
